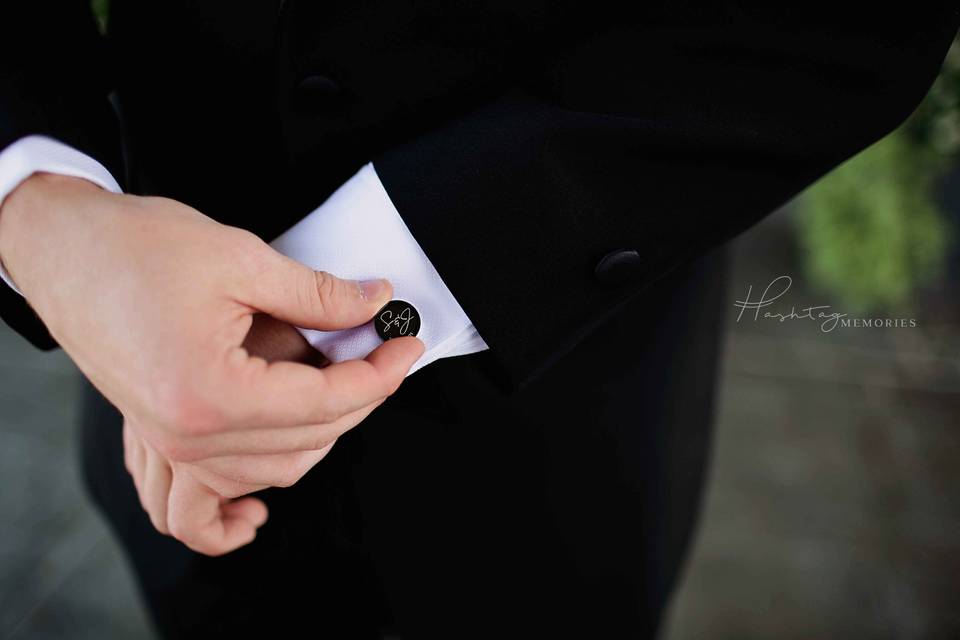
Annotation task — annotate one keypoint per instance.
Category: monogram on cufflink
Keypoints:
(397, 318)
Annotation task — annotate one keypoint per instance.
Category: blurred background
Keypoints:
(833, 506)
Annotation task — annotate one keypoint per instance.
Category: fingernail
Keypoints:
(372, 289)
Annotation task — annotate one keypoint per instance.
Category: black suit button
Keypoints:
(618, 267)
(316, 93)
(397, 318)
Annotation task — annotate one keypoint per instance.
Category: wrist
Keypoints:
(35, 221)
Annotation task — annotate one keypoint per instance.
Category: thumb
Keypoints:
(295, 293)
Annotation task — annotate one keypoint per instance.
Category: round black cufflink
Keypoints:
(397, 318)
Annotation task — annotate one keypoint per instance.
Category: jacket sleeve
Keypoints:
(667, 135)
(54, 81)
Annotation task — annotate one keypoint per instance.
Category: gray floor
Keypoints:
(833, 509)
(61, 575)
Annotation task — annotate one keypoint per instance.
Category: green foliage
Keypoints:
(936, 123)
(871, 231)
(101, 8)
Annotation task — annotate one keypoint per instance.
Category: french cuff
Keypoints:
(359, 234)
(32, 154)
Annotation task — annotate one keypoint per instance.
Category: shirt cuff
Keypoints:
(359, 234)
(32, 154)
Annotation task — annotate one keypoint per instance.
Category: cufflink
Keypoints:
(397, 318)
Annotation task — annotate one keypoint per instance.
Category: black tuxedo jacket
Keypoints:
(521, 141)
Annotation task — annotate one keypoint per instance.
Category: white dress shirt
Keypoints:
(356, 233)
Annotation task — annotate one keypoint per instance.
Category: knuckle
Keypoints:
(324, 415)
(158, 524)
(287, 478)
(303, 467)
(384, 383)
(178, 530)
(231, 491)
(223, 486)
(307, 293)
(298, 476)
(320, 442)
(181, 531)
(390, 385)
(247, 239)
(325, 289)
(176, 449)
(184, 411)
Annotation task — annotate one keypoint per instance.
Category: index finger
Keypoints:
(289, 394)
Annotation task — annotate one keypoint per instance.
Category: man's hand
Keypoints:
(153, 301)
(180, 505)
(194, 505)
(232, 476)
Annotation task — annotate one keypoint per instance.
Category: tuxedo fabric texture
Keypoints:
(551, 483)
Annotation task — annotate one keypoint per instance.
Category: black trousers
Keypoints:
(458, 511)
